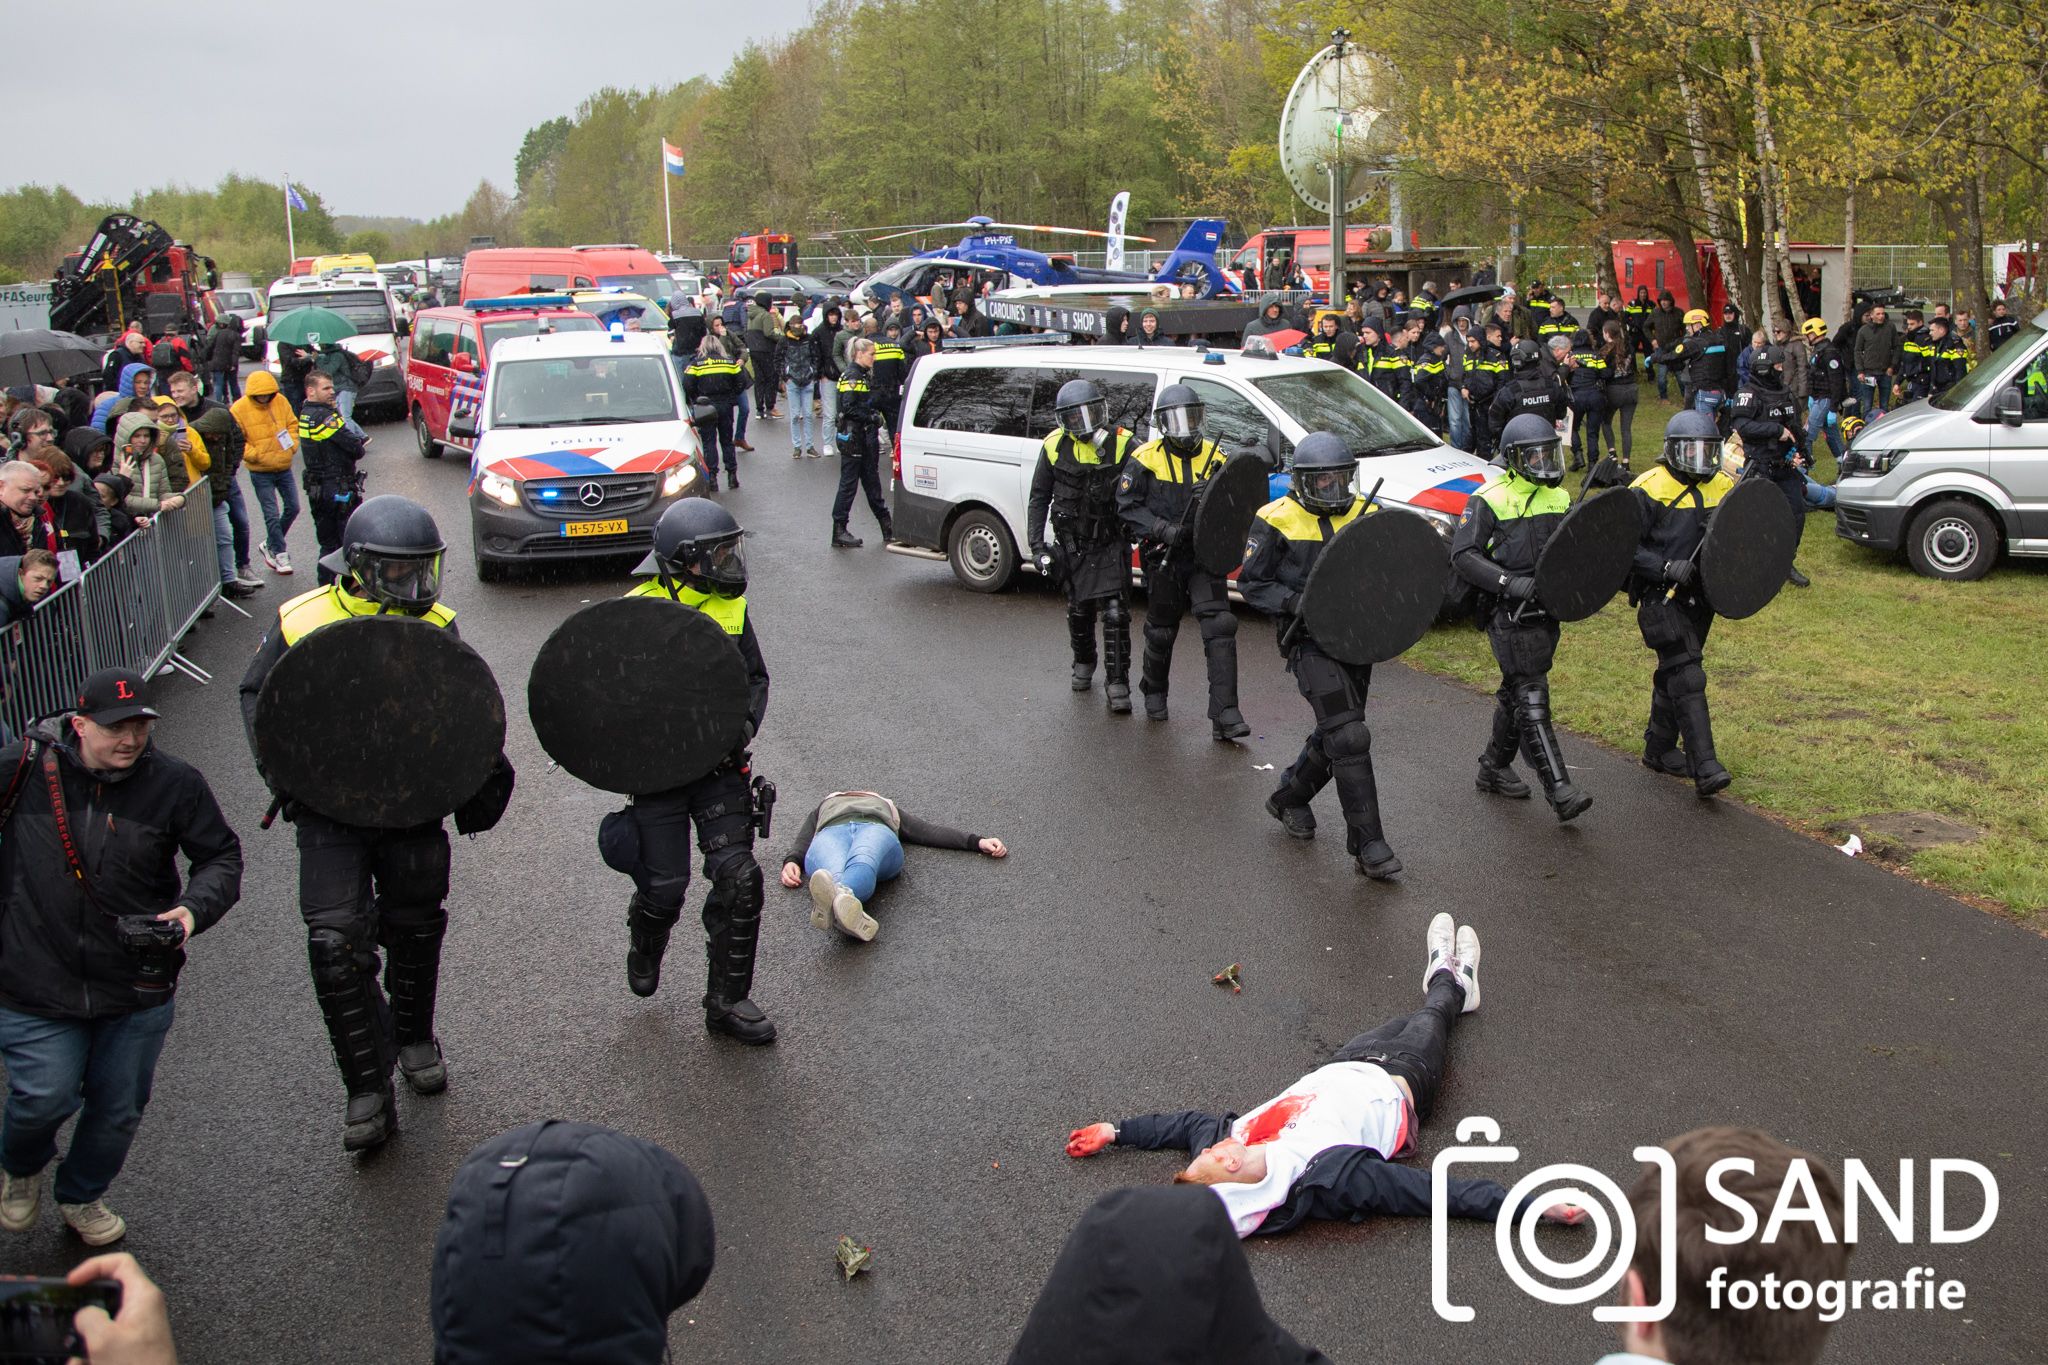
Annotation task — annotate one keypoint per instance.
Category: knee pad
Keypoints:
(1081, 613)
(1159, 636)
(1532, 702)
(1686, 679)
(333, 960)
(1219, 625)
(736, 881)
(1346, 736)
(1115, 612)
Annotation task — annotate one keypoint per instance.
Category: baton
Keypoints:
(270, 816)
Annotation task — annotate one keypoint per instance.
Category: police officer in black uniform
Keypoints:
(1331, 343)
(698, 563)
(1155, 496)
(362, 888)
(1076, 482)
(1765, 416)
(1676, 498)
(1287, 538)
(1530, 390)
(1502, 532)
(1486, 373)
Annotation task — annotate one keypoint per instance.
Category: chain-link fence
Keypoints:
(130, 609)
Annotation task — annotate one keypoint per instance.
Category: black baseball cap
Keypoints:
(113, 695)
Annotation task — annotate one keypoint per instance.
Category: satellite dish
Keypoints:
(1336, 89)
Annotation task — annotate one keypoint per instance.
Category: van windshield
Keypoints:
(367, 309)
(495, 332)
(1965, 392)
(1338, 401)
(584, 390)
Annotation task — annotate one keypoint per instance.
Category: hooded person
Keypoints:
(270, 444)
(92, 453)
(109, 407)
(151, 489)
(1154, 1276)
(1147, 332)
(1269, 320)
(567, 1244)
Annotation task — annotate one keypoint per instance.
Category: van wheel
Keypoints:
(430, 449)
(983, 555)
(1953, 539)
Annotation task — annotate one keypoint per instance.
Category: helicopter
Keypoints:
(990, 252)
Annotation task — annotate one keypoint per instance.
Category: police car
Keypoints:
(974, 421)
(582, 442)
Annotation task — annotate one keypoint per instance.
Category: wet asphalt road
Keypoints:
(1654, 967)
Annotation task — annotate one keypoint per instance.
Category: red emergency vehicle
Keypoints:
(494, 272)
(759, 255)
(451, 350)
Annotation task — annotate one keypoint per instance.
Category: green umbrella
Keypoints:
(312, 326)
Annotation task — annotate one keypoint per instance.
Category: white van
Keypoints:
(974, 421)
(582, 442)
(364, 299)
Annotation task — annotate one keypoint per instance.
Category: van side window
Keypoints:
(542, 284)
(465, 343)
(430, 342)
(1130, 397)
(2033, 382)
(1231, 420)
(990, 402)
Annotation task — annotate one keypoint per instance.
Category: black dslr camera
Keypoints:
(154, 943)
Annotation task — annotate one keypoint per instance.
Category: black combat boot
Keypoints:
(1660, 737)
(351, 1007)
(412, 974)
(844, 539)
(1708, 776)
(1540, 747)
(1299, 821)
(647, 930)
(732, 924)
(1499, 779)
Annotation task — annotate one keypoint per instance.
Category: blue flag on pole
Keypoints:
(291, 196)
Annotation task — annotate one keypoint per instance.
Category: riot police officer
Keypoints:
(1765, 416)
(1075, 481)
(1530, 390)
(1156, 495)
(698, 563)
(1677, 497)
(362, 888)
(1287, 538)
(1504, 528)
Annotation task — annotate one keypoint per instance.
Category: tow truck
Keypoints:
(132, 270)
(990, 250)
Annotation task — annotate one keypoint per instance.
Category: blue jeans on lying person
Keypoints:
(858, 854)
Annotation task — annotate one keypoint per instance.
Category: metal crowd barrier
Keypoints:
(131, 608)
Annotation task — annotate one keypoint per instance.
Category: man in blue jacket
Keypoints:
(1325, 1146)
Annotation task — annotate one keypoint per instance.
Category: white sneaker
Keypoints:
(95, 1223)
(1443, 931)
(281, 561)
(1468, 966)
(851, 918)
(823, 889)
(269, 559)
(20, 1197)
(246, 575)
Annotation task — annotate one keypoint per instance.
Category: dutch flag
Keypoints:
(671, 157)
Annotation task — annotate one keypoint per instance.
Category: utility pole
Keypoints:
(1340, 262)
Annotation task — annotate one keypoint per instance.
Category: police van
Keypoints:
(582, 441)
(974, 421)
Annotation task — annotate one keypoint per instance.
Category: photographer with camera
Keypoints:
(93, 919)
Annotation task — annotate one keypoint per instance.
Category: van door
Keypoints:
(2019, 455)
(427, 376)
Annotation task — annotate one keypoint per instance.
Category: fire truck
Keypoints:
(759, 255)
(133, 271)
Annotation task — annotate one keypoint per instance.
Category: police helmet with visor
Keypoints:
(392, 550)
(1082, 409)
(1323, 474)
(1768, 366)
(697, 543)
(1525, 355)
(1692, 446)
(1531, 448)
(1178, 414)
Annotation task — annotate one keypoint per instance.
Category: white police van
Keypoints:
(363, 299)
(582, 442)
(974, 421)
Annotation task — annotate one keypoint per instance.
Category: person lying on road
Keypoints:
(1324, 1147)
(855, 839)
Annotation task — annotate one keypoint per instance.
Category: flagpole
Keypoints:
(667, 214)
(291, 245)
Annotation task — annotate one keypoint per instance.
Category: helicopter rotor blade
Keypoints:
(1071, 232)
(926, 227)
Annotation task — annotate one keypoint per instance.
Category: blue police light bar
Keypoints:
(519, 301)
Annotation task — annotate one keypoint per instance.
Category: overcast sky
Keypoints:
(384, 106)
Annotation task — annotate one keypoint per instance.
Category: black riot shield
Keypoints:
(1587, 558)
(380, 721)
(1747, 553)
(1229, 502)
(638, 695)
(1376, 588)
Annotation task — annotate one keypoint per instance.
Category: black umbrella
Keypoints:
(36, 355)
(1470, 294)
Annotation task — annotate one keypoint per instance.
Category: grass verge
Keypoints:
(1875, 691)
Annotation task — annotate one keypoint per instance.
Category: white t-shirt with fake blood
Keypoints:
(1344, 1104)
